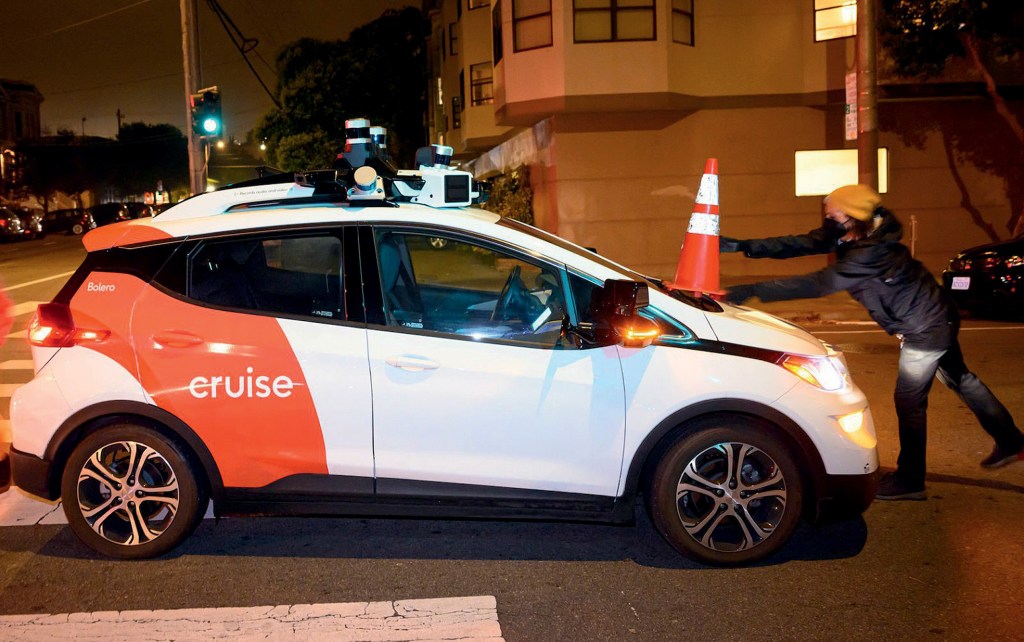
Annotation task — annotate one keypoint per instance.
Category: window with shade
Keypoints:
(481, 83)
(682, 22)
(613, 20)
(531, 24)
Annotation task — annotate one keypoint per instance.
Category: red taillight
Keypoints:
(53, 327)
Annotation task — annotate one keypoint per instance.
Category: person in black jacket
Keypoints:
(904, 299)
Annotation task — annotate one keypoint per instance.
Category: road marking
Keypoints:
(463, 618)
(18, 508)
(24, 308)
(880, 331)
(17, 364)
(42, 280)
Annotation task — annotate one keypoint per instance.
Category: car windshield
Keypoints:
(703, 303)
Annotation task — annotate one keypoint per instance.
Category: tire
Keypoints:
(77, 229)
(716, 513)
(121, 514)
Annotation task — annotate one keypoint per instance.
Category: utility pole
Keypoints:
(867, 96)
(120, 117)
(190, 56)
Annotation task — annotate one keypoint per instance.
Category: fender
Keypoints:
(78, 425)
(806, 451)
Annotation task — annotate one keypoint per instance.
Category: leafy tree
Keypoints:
(924, 36)
(511, 195)
(143, 155)
(378, 73)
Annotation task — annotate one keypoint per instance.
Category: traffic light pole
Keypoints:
(190, 55)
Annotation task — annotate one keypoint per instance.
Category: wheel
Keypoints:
(77, 229)
(726, 493)
(132, 493)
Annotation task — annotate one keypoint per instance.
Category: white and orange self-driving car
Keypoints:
(362, 341)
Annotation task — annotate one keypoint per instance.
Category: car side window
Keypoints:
(296, 275)
(449, 285)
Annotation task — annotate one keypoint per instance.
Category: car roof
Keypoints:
(164, 227)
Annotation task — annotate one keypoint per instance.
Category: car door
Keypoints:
(253, 342)
(474, 385)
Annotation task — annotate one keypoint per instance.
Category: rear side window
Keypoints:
(294, 275)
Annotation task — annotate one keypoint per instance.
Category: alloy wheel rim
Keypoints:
(731, 497)
(128, 493)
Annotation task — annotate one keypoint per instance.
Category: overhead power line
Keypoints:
(244, 45)
(80, 23)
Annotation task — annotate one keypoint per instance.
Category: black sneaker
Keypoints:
(891, 487)
(1000, 457)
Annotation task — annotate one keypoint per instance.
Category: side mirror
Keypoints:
(615, 308)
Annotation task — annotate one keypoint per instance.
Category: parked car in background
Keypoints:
(31, 222)
(988, 280)
(140, 210)
(11, 228)
(69, 221)
(107, 213)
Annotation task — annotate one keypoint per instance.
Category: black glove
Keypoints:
(737, 294)
(729, 244)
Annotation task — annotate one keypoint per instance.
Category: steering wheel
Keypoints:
(506, 295)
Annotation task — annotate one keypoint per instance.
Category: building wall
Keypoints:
(616, 136)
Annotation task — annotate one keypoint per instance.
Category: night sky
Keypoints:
(90, 58)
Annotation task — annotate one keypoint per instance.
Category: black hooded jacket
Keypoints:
(878, 271)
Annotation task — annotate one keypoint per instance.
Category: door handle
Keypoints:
(177, 339)
(412, 364)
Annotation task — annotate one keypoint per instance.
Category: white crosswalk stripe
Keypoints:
(16, 364)
(454, 618)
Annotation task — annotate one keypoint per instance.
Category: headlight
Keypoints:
(827, 373)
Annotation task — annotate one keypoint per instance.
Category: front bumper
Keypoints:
(33, 475)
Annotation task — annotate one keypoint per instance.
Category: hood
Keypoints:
(749, 327)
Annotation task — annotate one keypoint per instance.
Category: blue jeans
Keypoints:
(918, 366)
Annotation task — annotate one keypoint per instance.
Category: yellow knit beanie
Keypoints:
(856, 201)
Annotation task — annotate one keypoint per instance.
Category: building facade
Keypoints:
(19, 120)
(615, 105)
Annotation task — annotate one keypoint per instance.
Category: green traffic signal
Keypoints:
(206, 117)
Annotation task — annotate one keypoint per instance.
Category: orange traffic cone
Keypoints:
(697, 270)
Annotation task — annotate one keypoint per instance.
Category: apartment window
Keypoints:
(613, 20)
(834, 19)
(531, 24)
(819, 171)
(477, 4)
(682, 21)
(496, 31)
(481, 83)
(453, 39)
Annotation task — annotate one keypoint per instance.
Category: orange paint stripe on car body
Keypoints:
(235, 380)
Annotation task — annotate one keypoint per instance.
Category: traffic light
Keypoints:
(206, 119)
